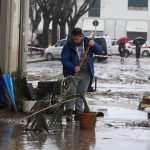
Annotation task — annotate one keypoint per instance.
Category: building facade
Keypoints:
(118, 18)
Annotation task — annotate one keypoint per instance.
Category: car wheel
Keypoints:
(126, 53)
(49, 57)
(145, 53)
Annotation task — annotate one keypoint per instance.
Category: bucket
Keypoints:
(27, 105)
(87, 120)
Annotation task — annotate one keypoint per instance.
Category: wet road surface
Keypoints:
(123, 126)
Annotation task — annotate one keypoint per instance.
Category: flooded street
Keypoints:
(120, 87)
(71, 137)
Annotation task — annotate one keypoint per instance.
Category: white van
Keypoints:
(108, 42)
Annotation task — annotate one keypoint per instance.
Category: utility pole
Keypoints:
(13, 39)
(24, 13)
(5, 34)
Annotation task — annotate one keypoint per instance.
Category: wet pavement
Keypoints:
(120, 88)
(71, 137)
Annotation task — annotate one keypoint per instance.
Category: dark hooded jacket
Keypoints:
(70, 60)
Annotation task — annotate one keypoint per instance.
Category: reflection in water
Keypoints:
(6, 133)
(71, 137)
(76, 138)
(138, 64)
(35, 140)
(87, 139)
(10, 137)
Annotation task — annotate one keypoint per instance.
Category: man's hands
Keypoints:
(77, 69)
(91, 43)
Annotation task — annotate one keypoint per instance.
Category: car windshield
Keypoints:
(147, 43)
(131, 43)
(60, 43)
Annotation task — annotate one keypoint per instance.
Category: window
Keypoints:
(60, 43)
(95, 10)
(133, 35)
(138, 4)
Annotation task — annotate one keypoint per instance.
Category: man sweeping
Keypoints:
(77, 60)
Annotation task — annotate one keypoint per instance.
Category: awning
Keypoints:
(88, 25)
(137, 26)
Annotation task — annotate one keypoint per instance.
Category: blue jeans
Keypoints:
(82, 81)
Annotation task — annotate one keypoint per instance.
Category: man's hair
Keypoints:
(76, 31)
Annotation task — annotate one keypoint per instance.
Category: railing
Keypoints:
(32, 51)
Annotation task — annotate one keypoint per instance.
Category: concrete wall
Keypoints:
(10, 32)
(9, 35)
(15, 35)
(118, 9)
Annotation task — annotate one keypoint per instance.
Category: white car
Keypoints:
(145, 50)
(54, 52)
(114, 47)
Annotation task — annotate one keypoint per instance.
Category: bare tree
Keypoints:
(47, 7)
(61, 12)
(78, 11)
(56, 17)
(66, 11)
(70, 12)
(34, 14)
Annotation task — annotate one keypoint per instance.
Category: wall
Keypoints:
(10, 33)
(118, 9)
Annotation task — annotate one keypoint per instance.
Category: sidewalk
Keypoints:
(35, 58)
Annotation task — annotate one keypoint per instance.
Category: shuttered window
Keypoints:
(133, 35)
(138, 4)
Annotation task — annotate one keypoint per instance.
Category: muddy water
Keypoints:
(71, 137)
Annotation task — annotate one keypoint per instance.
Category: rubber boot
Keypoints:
(77, 115)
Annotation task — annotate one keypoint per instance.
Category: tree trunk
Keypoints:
(45, 33)
(71, 25)
(62, 30)
(54, 32)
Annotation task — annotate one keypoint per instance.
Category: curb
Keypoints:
(33, 61)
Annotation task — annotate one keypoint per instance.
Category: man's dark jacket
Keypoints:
(70, 59)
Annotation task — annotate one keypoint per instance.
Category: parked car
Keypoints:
(54, 52)
(145, 50)
(115, 51)
(105, 42)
